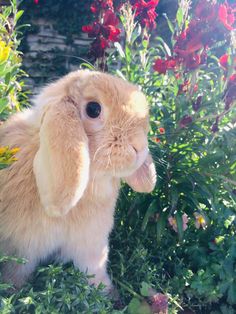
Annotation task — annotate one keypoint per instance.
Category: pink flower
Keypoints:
(159, 303)
(173, 222)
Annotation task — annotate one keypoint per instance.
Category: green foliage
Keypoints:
(10, 61)
(11, 95)
(195, 165)
(56, 289)
(197, 274)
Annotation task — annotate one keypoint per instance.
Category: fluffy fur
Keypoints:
(60, 195)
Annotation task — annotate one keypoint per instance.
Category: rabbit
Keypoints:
(84, 134)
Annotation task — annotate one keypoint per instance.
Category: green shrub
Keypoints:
(11, 95)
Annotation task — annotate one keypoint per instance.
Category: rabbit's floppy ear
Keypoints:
(61, 165)
(144, 178)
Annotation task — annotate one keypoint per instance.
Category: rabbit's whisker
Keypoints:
(98, 150)
(128, 122)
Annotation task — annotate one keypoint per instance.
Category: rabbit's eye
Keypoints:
(93, 109)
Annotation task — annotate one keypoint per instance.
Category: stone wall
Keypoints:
(49, 55)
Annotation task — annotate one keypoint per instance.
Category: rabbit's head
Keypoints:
(114, 114)
(102, 123)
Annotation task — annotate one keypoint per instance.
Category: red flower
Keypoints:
(192, 61)
(104, 43)
(224, 61)
(93, 8)
(109, 26)
(195, 43)
(226, 15)
(110, 18)
(92, 30)
(232, 79)
(202, 32)
(36, 1)
(108, 29)
(162, 66)
(98, 47)
(162, 130)
(145, 11)
(171, 63)
(104, 30)
(98, 5)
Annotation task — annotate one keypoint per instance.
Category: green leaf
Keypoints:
(128, 54)
(150, 211)
(145, 289)
(174, 198)
(18, 15)
(3, 104)
(231, 297)
(7, 78)
(134, 306)
(166, 49)
(160, 225)
(119, 49)
(171, 27)
(145, 44)
(179, 16)
(179, 221)
(87, 65)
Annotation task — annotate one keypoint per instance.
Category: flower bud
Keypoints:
(185, 121)
(197, 104)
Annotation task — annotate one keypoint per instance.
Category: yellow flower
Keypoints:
(4, 51)
(15, 150)
(3, 150)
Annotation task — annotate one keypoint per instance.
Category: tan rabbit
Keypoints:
(86, 132)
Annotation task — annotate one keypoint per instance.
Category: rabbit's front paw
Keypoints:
(96, 280)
